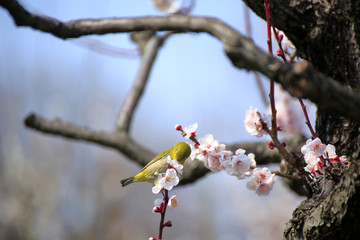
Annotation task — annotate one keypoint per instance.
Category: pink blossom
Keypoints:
(190, 131)
(253, 123)
(314, 163)
(330, 152)
(262, 181)
(239, 164)
(167, 6)
(315, 146)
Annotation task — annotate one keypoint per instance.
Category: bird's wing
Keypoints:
(159, 157)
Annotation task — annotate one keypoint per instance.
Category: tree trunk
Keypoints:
(327, 34)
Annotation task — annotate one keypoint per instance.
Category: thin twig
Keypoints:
(291, 177)
(272, 82)
(163, 212)
(307, 120)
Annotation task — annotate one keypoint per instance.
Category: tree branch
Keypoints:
(118, 140)
(297, 79)
(149, 52)
(193, 170)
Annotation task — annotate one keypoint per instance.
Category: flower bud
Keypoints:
(168, 224)
(178, 127)
(279, 53)
(271, 145)
(281, 37)
(156, 209)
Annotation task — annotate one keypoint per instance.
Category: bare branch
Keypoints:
(149, 53)
(119, 141)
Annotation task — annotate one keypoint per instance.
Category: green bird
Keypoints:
(180, 152)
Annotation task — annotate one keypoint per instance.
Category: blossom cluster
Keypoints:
(315, 154)
(216, 157)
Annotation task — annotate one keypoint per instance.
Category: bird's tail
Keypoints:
(127, 181)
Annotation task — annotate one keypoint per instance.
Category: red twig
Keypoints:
(283, 56)
(163, 211)
(272, 82)
(268, 21)
(307, 121)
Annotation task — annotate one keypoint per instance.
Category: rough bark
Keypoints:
(327, 34)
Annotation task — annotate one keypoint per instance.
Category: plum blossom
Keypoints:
(175, 165)
(209, 151)
(289, 115)
(168, 181)
(157, 186)
(167, 6)
(316, 152)
(314, 163)
(330, 152)
(190, 131)
(173, 202)
(261, 181)
(253, 123)
(239, 164)
(315, 146)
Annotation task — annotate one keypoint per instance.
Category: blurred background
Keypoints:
(53, 188)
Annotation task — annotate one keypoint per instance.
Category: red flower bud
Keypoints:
(281, 36)
(271, 145)
(156, 209)
(279, 53)
(178, 127)
(168, 224)
(283, 144)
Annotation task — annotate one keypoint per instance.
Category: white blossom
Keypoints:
(169, 180)
(261, 181)
(239, 164)
(175, 165)
(253, 123)
(315, 146)
(167, 6)
(173, 202)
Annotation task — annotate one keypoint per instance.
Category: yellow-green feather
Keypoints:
(180, 152)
